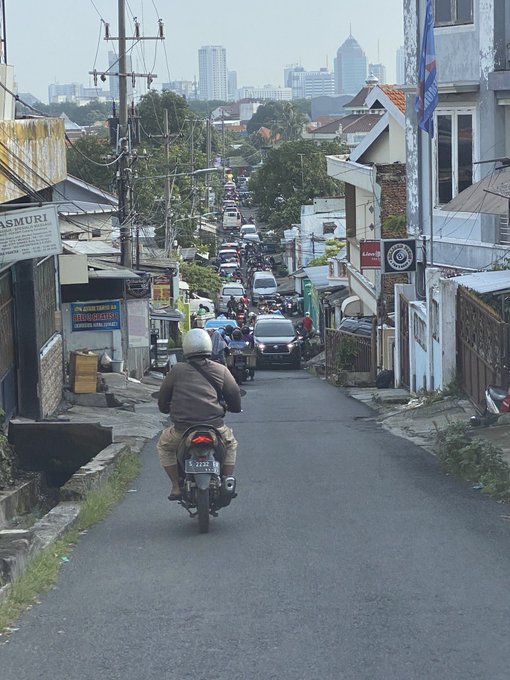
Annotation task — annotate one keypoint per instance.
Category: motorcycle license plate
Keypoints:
(193, 466)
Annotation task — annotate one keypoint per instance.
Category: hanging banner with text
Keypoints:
(399, 256)
(370, 255)
(95, 316)
(28, 233)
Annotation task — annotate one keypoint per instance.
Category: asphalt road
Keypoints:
(347, 555)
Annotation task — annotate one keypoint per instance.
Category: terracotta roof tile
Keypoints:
(397, 96)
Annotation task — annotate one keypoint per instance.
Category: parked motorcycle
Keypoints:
(200, 457)
(496, 402)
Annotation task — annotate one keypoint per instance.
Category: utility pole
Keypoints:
(124, 141)
(169, 237)
(123, 167)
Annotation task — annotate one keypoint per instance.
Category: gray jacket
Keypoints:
(190, 399)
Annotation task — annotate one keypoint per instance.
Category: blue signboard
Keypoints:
(95, 316)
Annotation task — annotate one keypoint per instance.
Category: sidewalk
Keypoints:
(418, 421)
(135, 420)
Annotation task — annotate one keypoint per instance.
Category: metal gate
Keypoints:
(405, 369)
(8, 377)
(483, 346)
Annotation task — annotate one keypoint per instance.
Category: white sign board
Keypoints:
(28, 233)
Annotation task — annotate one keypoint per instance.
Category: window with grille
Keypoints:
(46, 299)
(6, 324)
(453, 12)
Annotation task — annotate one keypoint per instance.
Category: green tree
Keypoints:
(87, 158)
(284, 118)
(289, 123)
(293, 174)
(200, 278)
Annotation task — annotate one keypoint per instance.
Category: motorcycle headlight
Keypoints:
(261, 346)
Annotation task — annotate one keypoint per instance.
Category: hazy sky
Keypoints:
(58, 40)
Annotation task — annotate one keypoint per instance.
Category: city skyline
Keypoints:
(42, 54)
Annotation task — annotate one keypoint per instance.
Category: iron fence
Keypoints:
(350, 353)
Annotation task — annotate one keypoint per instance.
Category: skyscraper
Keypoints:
(350, 67)
(113, 67)
(400, 70)
(212, 73)
(232, 86)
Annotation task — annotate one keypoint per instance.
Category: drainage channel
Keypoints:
(46, 454)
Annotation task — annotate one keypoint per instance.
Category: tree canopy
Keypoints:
(293, 174)
(284, 119)
(200, 278)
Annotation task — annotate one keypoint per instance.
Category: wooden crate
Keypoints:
(83, 372)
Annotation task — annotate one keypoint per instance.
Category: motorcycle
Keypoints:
(200, 457)
(240, 316)
(497, 401)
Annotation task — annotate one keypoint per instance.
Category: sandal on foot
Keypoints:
(175, 497)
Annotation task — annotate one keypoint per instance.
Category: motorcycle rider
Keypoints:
(231, 304)
(191, 400)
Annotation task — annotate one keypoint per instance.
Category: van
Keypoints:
(235, 289)
(263, 286)
(231, 219)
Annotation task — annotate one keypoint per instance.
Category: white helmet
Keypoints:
(196, 342)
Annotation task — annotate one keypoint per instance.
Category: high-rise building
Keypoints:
(401, 66)
(265, 93)
(113, 67)
(232, 86)
(379, 71)
(309, 84)
(350, 67)
(212, 73)
(64, 92)
(185, 88)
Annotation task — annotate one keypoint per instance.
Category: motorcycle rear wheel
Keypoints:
(203, 510)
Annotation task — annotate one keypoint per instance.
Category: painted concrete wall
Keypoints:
(35, 151)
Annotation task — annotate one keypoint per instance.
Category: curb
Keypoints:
(19, 546)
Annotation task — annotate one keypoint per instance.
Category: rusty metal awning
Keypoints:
(489, 195)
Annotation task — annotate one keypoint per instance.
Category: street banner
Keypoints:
(399, 256)
(28, 233)
(161, 291)
(370, 255)
(427, 94)
(95, 316)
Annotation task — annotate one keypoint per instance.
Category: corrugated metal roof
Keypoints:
(478, 198)
(485, 282)
(97, 248)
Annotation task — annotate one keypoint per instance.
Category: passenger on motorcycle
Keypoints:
(191, 399)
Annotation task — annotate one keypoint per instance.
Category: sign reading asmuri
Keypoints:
(28, 233)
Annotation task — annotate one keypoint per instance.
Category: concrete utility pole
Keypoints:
(124, 142)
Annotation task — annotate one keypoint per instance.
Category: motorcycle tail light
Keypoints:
(202, 439)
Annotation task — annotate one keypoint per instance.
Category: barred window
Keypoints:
(453, 12)
(46, 299)
(6, 324)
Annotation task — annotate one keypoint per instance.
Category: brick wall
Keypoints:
(392, 179)
(52, 380)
